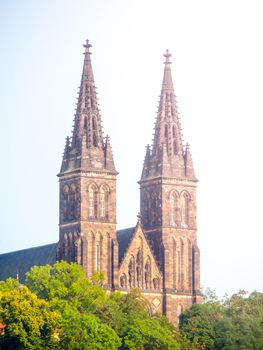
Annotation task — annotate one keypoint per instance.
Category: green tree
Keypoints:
(29, 323)
(240, 326)
(233, 324)
(151, 334)
(93, 319)
(197, 324)
(87, 311)
(86, 331)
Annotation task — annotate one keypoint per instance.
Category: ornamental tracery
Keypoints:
(70, 202)
(140, 272)
(131, 272)
(147, 274)
(139, 268)
(98, 202)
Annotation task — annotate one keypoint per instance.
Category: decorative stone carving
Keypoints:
(156, 283)
(147, 274)
(131, 273)
(139, 267)
(123, 281)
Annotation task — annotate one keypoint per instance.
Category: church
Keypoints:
(160, 255)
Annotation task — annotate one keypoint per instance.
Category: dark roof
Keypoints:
(124, 237)
(21, 261)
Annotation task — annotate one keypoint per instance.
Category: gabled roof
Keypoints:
(137, 241)
(19, 262)
(124, 237)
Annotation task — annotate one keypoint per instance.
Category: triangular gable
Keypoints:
(139, 267)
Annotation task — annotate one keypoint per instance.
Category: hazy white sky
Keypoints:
(218, 77)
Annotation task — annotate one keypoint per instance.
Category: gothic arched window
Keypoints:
(147, 274)
(166, 131)
(102, 203)
(190, 266)
(131, 272)
(123, 281)
(185, 210)
(70, 248)
(92, 201)
(154, 209)
(180, 264)
(65, 206)
(98, 252)
(109, 259)
(175, 283)
(173, 209)
(139, 267)
(72, 203)
(94, 126)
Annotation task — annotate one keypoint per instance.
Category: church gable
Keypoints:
(138, 268)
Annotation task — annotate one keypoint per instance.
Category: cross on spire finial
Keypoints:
(167, 56)
(87, 46)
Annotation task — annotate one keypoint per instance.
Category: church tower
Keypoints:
(87, 217)
(168, 204)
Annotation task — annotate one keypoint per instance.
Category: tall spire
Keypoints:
(167, 128)
(167, 154)
(87, 149)
(87, 120)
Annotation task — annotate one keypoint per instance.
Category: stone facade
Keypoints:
(160, 255)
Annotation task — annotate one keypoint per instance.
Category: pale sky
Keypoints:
(218, 77)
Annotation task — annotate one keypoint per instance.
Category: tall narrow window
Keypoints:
(184, 211)
(182, 265)
(131, 272)
(109, 259)
(93, 123)
(72, 201)
(174, 266)
(66, 202)
(94, 126)
(166, 131)
(154, 208)
(147, 274)
(91, 202)
(102, 203)
(190, 268)
(98, 257)
(179, 269)
(173, 208)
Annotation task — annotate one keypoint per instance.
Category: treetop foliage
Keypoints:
(59, 308)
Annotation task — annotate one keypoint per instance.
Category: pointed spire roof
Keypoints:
(166, 157)
(87, 120)
(167, 128)
(87, 150)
